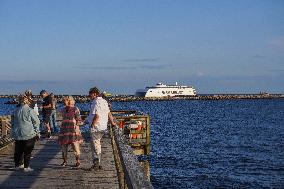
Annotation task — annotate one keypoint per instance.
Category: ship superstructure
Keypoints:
(162, 90)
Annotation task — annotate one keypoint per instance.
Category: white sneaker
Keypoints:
(20, 167)
(28, 169)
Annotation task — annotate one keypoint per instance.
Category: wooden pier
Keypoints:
(120, 167)
(49, 174)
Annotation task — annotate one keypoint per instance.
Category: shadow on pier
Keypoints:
(42, 156)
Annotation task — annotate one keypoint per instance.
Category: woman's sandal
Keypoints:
(77, 164)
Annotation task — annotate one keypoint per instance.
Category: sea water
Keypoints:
(212, 144)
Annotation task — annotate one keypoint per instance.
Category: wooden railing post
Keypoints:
(4, 128)
(5, 125)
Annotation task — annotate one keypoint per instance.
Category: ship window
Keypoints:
(163, 92)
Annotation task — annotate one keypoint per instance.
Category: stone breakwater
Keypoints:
(129, 98)
(197, 97)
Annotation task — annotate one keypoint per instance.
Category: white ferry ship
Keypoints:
(162, 90)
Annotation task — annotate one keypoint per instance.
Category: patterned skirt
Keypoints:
(69, 133)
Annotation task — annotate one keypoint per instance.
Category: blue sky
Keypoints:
(68, 46)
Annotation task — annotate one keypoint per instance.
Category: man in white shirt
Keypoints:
(98, 119)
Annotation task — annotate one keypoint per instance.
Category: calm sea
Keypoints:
(212, 144)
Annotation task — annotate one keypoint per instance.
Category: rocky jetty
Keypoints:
(130, 98)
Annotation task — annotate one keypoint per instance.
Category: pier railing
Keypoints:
(130, 172)
(5, 128)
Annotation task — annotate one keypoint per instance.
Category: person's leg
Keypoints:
(46, 120)
(55, 122)
(42, 125)
(64, 148)
(51, 122)
(96, 146)
(18, 154)
(55, 128)
(28, 148)
(76, 149)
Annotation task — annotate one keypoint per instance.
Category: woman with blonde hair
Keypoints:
(69, 130)
(25, 131)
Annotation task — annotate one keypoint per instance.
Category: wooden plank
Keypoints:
(138, 141)
(132, 131)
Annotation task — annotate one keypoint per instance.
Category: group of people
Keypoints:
(25, 127)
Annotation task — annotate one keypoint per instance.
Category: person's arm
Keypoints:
(78, 116)
(47, 106)
(95, 120)
(95, 111)
(111, 118)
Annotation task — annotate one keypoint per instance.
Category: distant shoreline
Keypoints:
(129, 98)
